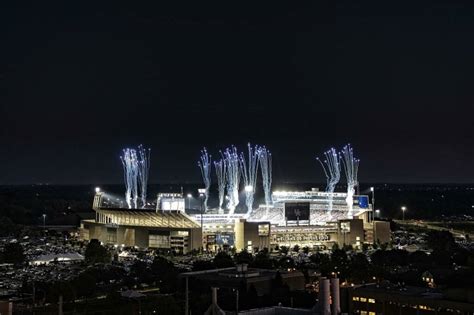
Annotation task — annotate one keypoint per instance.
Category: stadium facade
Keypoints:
(295, 218)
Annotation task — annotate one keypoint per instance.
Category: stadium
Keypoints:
(295, 218)
(312, 219)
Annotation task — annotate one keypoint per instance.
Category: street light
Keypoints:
(373, 214)
(373, 202)
(44, 221)
(377, 213)
(189, 200)
(403, 212)
(97, 190)
(201, 192)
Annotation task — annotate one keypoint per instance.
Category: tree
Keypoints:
(284, 250)
(286, 262)
(263, 260)
(365, 247)
(340, 263)
(441, 241)
(244, 257)
(420, 259)
(96, 253)
(141, 272)
(165, 274)
(322, 262)
(223, 260)
(13, 253)
(359, 268)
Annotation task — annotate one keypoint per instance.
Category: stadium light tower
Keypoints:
(202, 194)
(372, 189)
(403, 212)
(189, 196)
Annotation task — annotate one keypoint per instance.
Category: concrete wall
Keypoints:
(141, 237)
(195, 239)
(251, 234)
(126, 236)
(382, 231)
(98, 232)
(138, 236)
(246, 232)
(239, 234)
(356, 231)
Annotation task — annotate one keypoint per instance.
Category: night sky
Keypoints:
(78, 83)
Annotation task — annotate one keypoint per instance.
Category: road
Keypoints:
(434, 225)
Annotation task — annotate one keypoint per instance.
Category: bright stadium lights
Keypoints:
(189, 200)
(97, 189)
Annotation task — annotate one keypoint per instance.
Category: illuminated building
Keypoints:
(295, 218)
(166, 227)
(387, 298)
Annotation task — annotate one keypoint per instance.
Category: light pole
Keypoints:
(373, 214)
(189, 200)
(403, 212)
(44, 226)
(201, 192)
(372, 189)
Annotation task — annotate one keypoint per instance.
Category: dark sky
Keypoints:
(79, 83)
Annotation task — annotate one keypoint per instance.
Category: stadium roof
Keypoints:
(136, 217)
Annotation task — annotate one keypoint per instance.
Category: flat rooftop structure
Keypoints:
(233, 278)
(145, 218)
